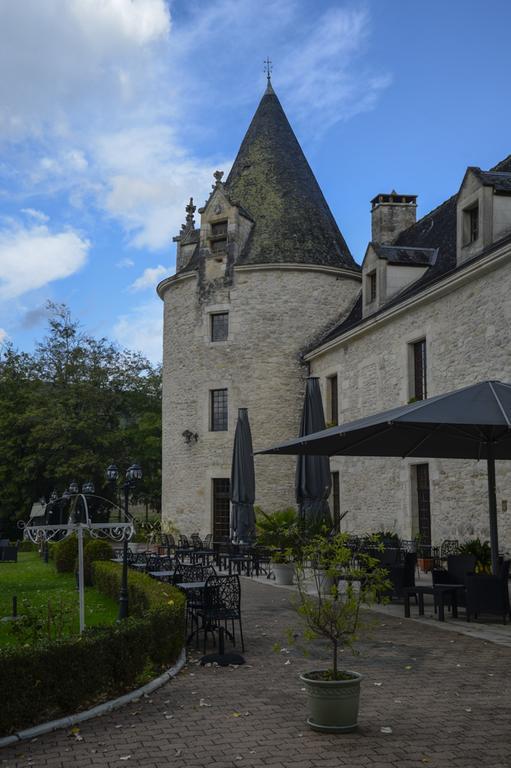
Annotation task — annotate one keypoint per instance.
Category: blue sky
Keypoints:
(114, 112)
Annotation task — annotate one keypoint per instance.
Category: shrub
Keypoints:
(54, 679)
(95, 550)
(27, 546)
(481, 551)
(65, 553)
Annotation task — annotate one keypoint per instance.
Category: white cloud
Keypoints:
(149, 278)
(125, 263)
(39, 216)
(66, 59)
(3, 335)
(31, 257)
(142, 329)
(322, 75)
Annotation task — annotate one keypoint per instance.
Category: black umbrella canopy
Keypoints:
(313, 480)
(469, 423)
(243, 483)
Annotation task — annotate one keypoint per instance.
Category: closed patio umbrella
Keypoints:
(313, 481)
(469, 423)
(243, 483)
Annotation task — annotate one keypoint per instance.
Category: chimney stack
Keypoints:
(391, 215)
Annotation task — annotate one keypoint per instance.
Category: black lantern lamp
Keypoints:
(73, 487)
(133, 475)
(88, 487)
(54, 496)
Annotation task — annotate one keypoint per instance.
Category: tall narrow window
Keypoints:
(218, 410)
(218, 238)
(420, 391)
(336, 501)
(371, 287)
(423, 503)
(219, 326)
(221, 516)
(470, 225)
(333, 400)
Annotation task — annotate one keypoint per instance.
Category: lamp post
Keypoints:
(133, 475)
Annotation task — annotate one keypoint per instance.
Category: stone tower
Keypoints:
(265, 271)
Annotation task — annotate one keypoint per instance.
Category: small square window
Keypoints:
(218, 410)
(219, 326)
(371, 287)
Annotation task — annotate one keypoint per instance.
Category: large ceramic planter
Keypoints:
(283, 573)
(333, 704)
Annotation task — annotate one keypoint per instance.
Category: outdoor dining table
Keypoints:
(161, 574)
(439, 592)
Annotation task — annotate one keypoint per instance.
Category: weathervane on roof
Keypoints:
(268, 68)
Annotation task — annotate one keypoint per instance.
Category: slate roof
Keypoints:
(500, 181)
(406, 256)
(272, 180)
(436, 230)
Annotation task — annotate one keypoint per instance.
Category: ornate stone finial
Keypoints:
(189, 225)
(218, 179)
(268, 68)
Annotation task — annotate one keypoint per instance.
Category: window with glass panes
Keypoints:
(419, 370)
(219, 326)
(218, 236)
(336, 501)
(333, 400)
(221, 508)
(218, 410)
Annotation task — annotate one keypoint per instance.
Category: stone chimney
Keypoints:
(391, 215)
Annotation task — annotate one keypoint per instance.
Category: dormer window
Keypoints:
(218, 237)
(470, 225)
(371, 287)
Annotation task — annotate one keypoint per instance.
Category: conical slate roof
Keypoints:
(273, 181)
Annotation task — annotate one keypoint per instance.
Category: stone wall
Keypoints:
(468, 337)
(273, 313)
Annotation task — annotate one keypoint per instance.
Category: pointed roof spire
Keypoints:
(268, 68)
(272, 180)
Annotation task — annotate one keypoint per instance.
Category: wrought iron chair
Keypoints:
(488, 594)
(221, 605)
(188, 573)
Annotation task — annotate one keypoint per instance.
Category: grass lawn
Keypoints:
(38, 582)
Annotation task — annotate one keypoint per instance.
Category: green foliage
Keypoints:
(94, 550)
(70, 408)
(341, 586)
(280, 532)
(387, 538)
(481, 551)
(65, 553)
(37, 582)
(35, 625)
(57, 678)
(27, 546)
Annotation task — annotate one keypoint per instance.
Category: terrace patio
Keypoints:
(429, 697)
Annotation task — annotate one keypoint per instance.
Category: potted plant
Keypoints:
(481, 551)
(333, 693)
(279, 532)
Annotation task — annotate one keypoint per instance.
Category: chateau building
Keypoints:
(266, 292)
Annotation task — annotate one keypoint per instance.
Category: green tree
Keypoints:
(71, 408)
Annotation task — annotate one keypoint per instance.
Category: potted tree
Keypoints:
(333, 693)
(279, 532)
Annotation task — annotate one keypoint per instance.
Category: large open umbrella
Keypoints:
(470, 423)
(243, 483)
(313, 481)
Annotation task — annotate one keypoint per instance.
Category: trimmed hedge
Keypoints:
(65, 554)
(95, 550)
(56, 679)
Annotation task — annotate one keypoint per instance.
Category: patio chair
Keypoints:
(458, 567)
(221, 605)
(488, 594)
(402, 575)
(187, 573)
(184, 548)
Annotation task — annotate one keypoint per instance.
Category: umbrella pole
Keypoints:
(492, 504)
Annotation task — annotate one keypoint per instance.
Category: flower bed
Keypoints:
(54, 679)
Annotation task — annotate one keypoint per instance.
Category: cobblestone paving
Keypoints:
(445, 697)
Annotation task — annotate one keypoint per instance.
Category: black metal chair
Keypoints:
(402, 575)
(184, 548)
(488, 594)
(188, 573)
(221, 605)
(458, 567)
